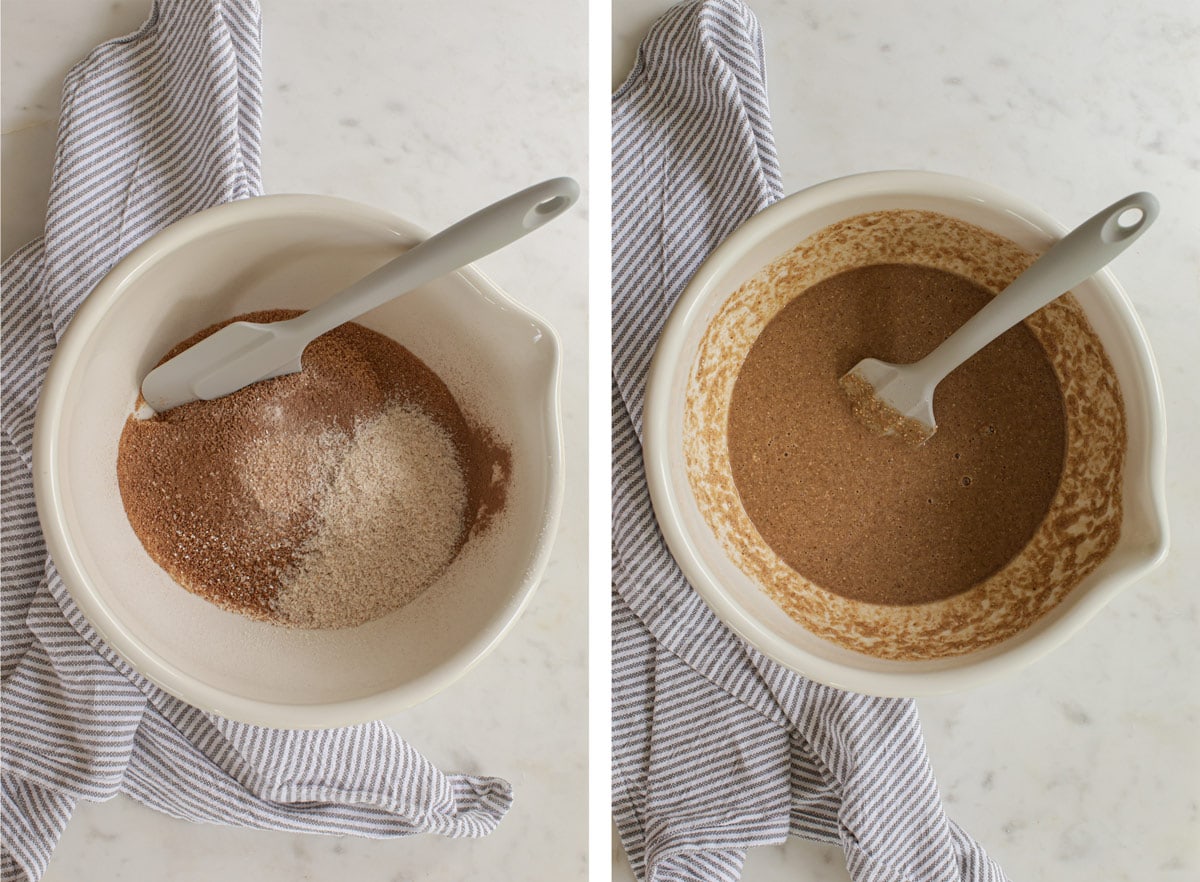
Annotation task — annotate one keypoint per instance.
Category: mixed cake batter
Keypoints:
(870, 517)
(868, 542)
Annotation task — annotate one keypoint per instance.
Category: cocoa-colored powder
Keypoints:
(229, 495)
(873, 518)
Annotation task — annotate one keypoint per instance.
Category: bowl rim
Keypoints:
(114, 632)
(668, 360)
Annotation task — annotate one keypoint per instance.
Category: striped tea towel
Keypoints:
(153, 127)
(716, 748)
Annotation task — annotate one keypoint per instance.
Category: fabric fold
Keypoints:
(154, 127)
(715, 747)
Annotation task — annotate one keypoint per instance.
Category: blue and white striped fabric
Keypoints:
(154, 127)
(716, 748)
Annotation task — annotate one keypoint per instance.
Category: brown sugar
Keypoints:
(869, 517)
(318, 499)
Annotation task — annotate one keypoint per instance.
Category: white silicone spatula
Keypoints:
(246, 352)
(898, 399)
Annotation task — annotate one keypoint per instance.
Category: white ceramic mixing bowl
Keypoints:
(500, 360)
(733, 595)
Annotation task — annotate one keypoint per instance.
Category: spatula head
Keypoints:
(234, 357)
(887, 400)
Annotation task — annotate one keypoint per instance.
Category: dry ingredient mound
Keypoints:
(322, 499)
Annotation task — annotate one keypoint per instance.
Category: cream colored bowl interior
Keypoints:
(500, 361)
(734, 596)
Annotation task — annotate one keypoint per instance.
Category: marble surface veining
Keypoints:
(1087, 764)
(430, 113)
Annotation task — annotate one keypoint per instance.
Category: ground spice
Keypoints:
(319, 499)
(872, 518)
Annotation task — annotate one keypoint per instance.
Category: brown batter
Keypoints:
(872, 518)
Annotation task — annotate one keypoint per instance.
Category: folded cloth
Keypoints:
(715, 747)
(153, 127)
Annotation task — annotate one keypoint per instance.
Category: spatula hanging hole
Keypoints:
(1130, 218)
(545, 210)
(550, 205)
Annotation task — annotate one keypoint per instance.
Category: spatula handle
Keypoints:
(485, 231)
(1083, 251)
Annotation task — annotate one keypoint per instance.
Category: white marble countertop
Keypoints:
(430, 113)
(1087, 765)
